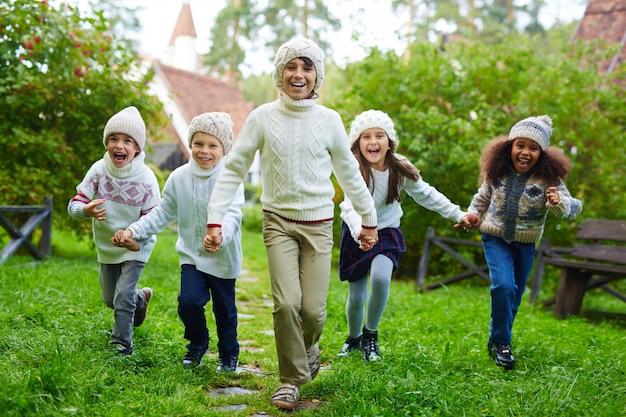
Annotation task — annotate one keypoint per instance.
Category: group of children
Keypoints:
(301, 144)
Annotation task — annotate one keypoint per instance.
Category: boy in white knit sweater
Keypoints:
(300, 143)
(117, 190)
(203, 275)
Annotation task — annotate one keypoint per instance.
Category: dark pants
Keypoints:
(197, 289)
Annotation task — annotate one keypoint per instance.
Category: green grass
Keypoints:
(54, 358)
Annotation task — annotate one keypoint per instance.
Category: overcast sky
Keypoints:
(373, 19)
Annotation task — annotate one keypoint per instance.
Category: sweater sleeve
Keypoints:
(432, 199)
(233, 217)
(346, 169)
(350, 217)
(481, 200)
(157, 219)
(569, 207)
(238, 163)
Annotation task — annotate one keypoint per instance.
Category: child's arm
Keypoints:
(560, 202)
(80, 207)
(432, 199)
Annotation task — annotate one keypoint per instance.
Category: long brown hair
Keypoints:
(399, 167)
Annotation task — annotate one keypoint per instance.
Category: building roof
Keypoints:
(184, 24)
(196, 93)
(605, 20)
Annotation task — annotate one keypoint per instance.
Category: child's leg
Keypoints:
(109, 274)
(194, 294)
(380, 280)
(125, 302)
(357, 294)
(225, 311)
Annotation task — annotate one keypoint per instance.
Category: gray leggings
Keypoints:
(380, 278)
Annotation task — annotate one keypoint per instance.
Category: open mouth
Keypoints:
(119, 157)
(373, 151)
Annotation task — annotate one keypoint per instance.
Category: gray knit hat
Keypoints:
(369, 119)
(128, 122)
(296, 48)
(537, 128)
(218, 124)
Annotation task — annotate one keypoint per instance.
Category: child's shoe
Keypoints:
(140, 315)
(194, 354)
(121, 349)
(369, 343)
(227, 363)
(351, 343)
(502, 355)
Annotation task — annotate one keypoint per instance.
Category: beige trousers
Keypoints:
(299, 257)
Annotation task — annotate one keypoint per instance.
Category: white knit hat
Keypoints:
(369, 119)
(537, 128)
(218, 124)
(128, 122)
(295, 48)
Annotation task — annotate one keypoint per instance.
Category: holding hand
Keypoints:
(368, 239)
(553, 196)
(91, 209)
(470, 221)
(124, 239)
(213, 239)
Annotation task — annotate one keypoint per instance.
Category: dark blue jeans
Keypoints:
(197, 289)
(509, 267)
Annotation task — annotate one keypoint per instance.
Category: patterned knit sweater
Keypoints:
(130, 192)
(185, 198)
(389, 215)
(515, 209)
(300, 144)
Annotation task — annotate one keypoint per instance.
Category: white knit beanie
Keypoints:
(128, 122)
(295, 48)
(369, 119)
(218, 124)
(537, 128)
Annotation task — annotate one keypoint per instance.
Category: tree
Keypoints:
(234, 26)
(447, 105)
(62, 76)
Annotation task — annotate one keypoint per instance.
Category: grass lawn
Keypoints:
(55, 359)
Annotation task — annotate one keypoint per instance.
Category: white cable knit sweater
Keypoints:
(300, 144)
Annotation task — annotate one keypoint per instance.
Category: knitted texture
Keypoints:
(537, 128)
(217, 124)
(515, 209)
(128, 122)
(370, 119)
(295, 48)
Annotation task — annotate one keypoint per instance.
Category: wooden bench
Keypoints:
(21, 236)
(597, 258)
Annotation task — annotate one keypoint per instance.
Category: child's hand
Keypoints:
(91, 209)
(123, 239)
(470, 221)
(368, 239)
(213, 239)
(553, 196)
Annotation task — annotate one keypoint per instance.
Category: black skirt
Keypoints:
(355, 264)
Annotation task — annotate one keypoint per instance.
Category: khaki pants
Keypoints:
(299, 257)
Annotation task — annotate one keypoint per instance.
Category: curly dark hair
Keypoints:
(495, 162)
(398, 166)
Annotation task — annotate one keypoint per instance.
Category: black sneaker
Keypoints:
(369, 344)
(227, 363)
(502, 355)
(351, 343)
(194, 354)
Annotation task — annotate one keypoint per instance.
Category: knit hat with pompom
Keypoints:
(218, 124)
(296, 48)
(369, 119)
(537, 128)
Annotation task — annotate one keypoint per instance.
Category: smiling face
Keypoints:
(122, 149)
(206, 150)
(374, 145)
(299, 79)
(524, 154)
